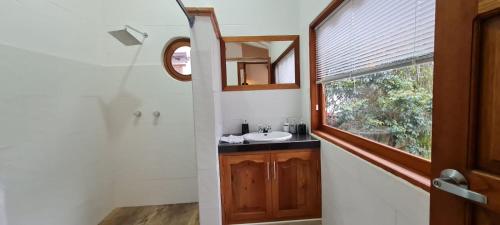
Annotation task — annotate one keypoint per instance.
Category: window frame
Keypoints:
(244, 67)
(167, 58)
(411, 168)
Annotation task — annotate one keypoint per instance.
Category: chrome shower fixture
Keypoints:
(129, 36)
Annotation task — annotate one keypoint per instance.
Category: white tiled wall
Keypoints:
(54, 167)
(54, 160)
(205, 53)
(260, 107)
(356, 192)
(3, 215)
(154, 160)
(67, 29)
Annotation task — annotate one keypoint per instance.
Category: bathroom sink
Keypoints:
(271, 136)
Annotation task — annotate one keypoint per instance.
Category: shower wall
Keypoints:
(53, 131)
(154, 161)
(207, 116)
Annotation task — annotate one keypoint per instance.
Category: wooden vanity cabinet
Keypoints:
(246, 187)
(270, 186)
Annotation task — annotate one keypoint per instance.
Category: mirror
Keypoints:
(260, 63)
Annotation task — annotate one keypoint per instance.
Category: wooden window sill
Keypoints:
(414, 177)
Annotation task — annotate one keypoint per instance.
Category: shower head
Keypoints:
(128, 37)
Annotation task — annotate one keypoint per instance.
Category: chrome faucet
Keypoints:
(264, 128)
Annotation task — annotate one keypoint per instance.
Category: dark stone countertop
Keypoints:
(296, 142)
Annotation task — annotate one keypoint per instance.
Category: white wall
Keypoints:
(53, 130)
(277, 48)
(3, 214)
(68, 91)
(154, 161)
(259, 107)
(258, 17)
(234, 50)
(356, 192)
(207, 117)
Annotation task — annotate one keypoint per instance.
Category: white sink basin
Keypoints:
(272, 136)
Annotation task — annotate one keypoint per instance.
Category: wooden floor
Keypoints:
(178, 214)
(316, 222)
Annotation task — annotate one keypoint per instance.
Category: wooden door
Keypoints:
(246, 187)
(466, 130)
(295, 184)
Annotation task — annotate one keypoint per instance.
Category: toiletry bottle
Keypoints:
(286, 127)
(302, 129)
(293, 126)
(244, 128)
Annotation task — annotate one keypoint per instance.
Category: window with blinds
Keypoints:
(374, 60)
(284, 70)
(366, 36)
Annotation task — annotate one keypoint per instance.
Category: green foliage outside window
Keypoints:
(392, 107)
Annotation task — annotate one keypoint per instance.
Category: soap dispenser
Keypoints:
(244, 128)
(301, 128)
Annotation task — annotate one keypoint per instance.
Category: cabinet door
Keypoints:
(246, 187)
(295, 184)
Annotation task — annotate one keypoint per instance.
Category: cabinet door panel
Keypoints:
(246, 187)
(295, 183)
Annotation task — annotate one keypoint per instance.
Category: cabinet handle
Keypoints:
(268, 171)
(274, 170)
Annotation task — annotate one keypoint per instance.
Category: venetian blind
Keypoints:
(285, 69)
(367, 36)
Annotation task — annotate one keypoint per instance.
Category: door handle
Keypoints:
(274, 170)
(454, 182)
(268, 171)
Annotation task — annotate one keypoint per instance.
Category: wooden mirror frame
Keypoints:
(295, 46)
(167, 58)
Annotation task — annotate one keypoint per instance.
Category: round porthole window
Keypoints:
(177, 59)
